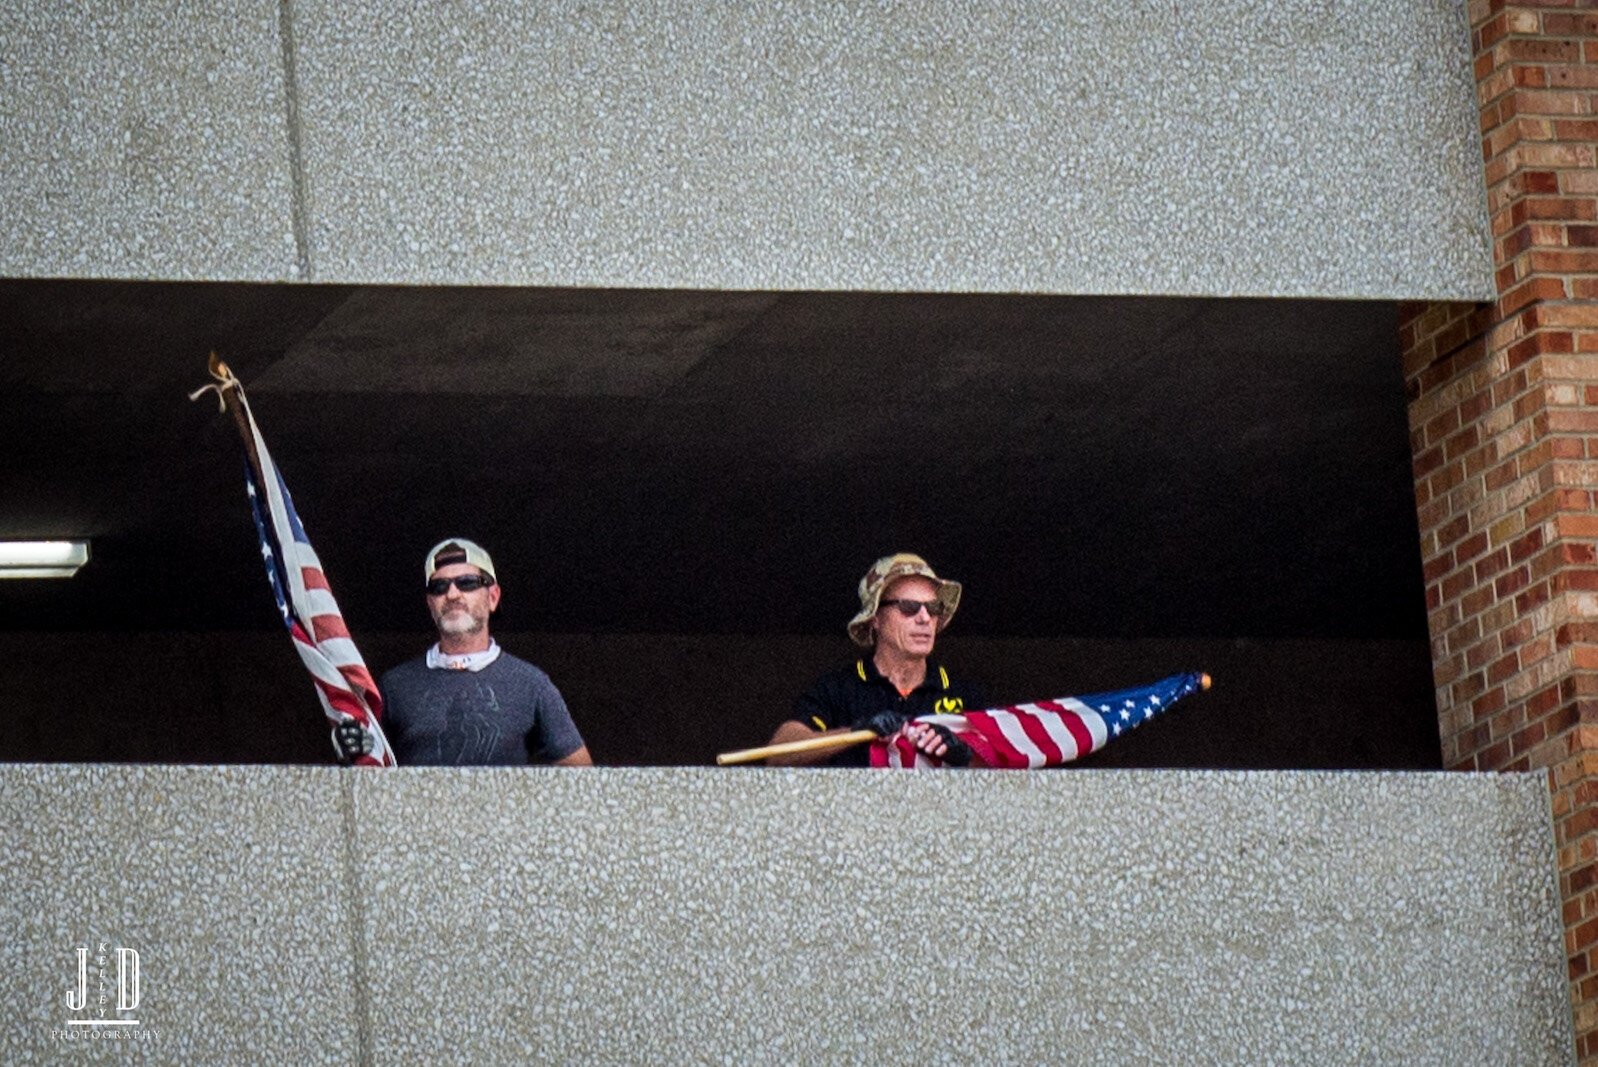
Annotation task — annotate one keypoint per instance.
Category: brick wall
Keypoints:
(1504, 427)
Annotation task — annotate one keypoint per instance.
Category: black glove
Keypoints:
(881, 723)
(351, 741)
(959, 754)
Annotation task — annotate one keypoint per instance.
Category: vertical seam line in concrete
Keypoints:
(360, 977)
(291, 96)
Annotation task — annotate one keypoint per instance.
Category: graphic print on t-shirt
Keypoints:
(469, 735)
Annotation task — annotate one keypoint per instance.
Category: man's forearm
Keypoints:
(794, 730)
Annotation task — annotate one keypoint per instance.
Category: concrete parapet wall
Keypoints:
(1325, 149)
(632, 915)
(231, 884)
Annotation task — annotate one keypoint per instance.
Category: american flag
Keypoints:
(343, 684)
(1046, 733)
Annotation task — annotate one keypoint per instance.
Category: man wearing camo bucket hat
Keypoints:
(904, 605)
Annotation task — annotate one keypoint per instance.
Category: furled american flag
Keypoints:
(1046, 733)
(343, 684)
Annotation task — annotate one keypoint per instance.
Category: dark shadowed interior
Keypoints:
(681, 490)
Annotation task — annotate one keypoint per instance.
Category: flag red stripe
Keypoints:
(359, 678)
(327, 627)
(1039, 736)
(343, 699)
(981, 752)
(1004, 753)
(1073, 722)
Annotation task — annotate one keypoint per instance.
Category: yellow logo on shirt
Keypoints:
(948, 706)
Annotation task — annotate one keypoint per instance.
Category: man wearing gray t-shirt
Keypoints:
(467, 702)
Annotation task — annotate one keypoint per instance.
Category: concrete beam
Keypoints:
(1324, 150)
(796, 916)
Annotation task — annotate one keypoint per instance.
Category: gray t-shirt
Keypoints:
(507, 714)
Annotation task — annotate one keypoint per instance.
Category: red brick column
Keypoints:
(1504, 425)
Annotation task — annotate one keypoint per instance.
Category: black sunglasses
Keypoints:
(466, 583)
(911, 608)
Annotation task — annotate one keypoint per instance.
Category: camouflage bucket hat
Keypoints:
(881, 575)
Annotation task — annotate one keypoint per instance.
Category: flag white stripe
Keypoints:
(1089, 718)
(1058, 732)
(1016, 735)
(301, 554)
(282, 531)
(319, 602)
(341, 652)
(297, 554)
(321, 669)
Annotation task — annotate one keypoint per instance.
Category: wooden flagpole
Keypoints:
(227, 391)
(810, 744)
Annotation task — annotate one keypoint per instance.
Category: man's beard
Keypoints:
(459, 623)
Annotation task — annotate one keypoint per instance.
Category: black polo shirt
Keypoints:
(843, 697)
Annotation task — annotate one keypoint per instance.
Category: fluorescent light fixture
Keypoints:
(42, 559)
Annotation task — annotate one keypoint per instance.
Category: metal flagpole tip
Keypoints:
(1204, 680)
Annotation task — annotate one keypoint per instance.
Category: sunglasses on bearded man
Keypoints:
(466, 583)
